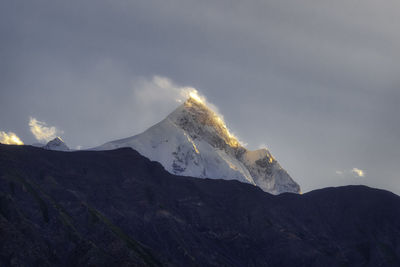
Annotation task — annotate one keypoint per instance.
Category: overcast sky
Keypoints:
(317, 82)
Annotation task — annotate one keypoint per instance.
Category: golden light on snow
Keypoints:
(60, 138)
(10, 138)
(195, 96)
(231, 140)
(217, 121)
(187, 92)
(195, 148)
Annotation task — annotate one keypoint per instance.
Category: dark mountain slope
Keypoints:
(118, 208)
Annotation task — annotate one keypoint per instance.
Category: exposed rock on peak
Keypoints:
(194, 141)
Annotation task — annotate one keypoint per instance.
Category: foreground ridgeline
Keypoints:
(117, 208)
(194, 141)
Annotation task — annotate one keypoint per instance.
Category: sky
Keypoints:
(316, 82)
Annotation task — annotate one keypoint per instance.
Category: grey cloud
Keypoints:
(316, 81)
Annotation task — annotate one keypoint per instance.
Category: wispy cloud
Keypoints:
(358, 172)
(159, 95)
(353, 172)
(163, 90)
(10, 138)
(41, 131)
(339, 173)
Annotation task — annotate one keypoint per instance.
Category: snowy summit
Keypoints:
(194, 141)
(56, 144)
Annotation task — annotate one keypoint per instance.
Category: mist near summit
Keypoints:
(317, 83)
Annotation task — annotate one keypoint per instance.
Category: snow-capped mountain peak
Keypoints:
(56, 144)
(194, 141)
(195, 117)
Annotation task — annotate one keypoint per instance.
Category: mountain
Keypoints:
(56, 144)
(117, 208)
(38, 145)
(194, 141)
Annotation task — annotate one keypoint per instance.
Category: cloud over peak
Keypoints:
(41, 131)
(10, 138)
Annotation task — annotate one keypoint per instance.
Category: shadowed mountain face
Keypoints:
(117, 208)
